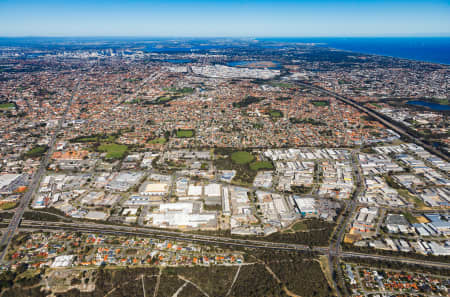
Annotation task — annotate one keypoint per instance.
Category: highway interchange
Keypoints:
(333, 251)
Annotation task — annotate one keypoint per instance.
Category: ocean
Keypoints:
(427, 49)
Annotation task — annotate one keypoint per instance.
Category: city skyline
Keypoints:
(224, 148)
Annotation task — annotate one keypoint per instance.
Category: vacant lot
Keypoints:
(299, 226)
(259, 165)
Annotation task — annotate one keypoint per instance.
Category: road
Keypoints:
(26, 198)
(333, 250)
(25, 201)
(164, 234)
(335, 247)
(375, 115)
(395, 259)
(206, 239)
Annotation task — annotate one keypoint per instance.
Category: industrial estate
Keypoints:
(219, 168)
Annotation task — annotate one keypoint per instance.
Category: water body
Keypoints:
(433, 106)
(427, 49)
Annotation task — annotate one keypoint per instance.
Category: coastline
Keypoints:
(419, 49)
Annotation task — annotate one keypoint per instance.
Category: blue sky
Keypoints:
(243, 18)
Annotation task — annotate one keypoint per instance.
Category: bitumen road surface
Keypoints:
(26, 198)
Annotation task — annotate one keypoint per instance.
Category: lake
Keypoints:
(433, 106)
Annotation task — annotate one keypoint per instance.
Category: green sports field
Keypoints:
(242, 157)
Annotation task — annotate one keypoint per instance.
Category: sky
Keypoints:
(244, 18)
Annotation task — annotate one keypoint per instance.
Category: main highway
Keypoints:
(375, 115)
(162, 234)
(25, 201)
(333, 250)
(208, 239)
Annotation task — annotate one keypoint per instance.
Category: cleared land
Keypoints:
(259, 165)
(299, 226)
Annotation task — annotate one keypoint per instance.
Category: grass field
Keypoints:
(283, 85)
(299, 226)
(258, 165)
(185, 90)
(113, 150)
(95, 138)
(320, 102)
(160, 140)
(242, 157)
(8, 205)
(7, 105)
(163, 99)
(412, 198)
(240, 162)
(185, 133)
(275, 114)
(36, 151)
(301, 189)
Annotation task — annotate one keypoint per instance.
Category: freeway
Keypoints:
(25, 201)
(206, 239)
(165, 234)
(335, 249)
(377, 116)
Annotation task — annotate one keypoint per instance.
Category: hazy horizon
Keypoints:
(245, 19)
(431, 35)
